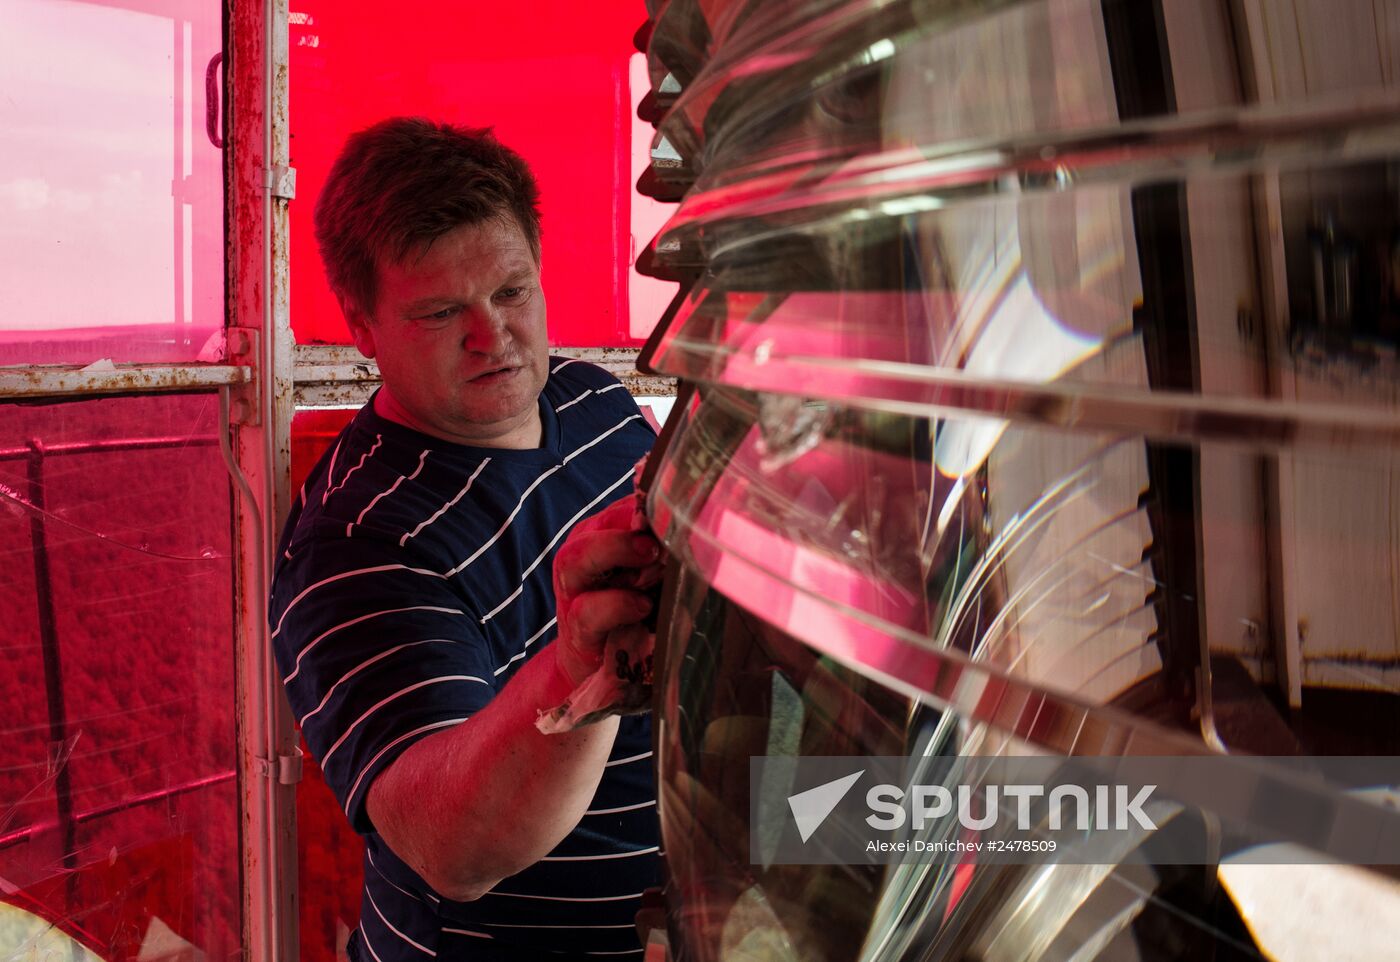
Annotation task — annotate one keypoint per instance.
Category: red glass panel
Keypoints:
(118, 801)
(111, 192)
(551, 76)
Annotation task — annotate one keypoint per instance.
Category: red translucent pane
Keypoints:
(111, 193)
(118, 801)
(552, 78)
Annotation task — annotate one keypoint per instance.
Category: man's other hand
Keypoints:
(600, 576)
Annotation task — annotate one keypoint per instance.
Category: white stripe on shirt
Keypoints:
(569, 404)
(387, 881)
(624, 761)
(375, 905)
(526, 647)
(560, 898)
(535, 484)
(446, 507)
(326, 760)
(475, 935)
(364, 937)
(355, 621)
(568, 525)
(378, 440)
(347, 574)
(330, 471)
(600, 858)
(365, 664)
(602, 437)
(509, 518)
(422, 460)
(504, 925)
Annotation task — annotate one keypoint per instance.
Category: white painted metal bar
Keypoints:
(338, 375)
(69, 381)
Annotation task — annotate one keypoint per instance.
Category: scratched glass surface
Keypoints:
(107, 176)
(118, 798)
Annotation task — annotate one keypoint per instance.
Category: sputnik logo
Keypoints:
(810, 808)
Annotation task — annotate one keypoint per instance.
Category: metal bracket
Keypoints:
(281, 181)
(285, 768)
(242, 348)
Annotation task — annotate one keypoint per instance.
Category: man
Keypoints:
(415, 621)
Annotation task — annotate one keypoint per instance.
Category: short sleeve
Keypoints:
(377, 650)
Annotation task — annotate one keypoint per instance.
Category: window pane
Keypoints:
(111, 197)
(118, 797)
(550, 76)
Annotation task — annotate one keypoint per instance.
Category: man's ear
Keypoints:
(361, 328)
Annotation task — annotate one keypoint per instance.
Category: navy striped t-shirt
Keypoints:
(413, 580)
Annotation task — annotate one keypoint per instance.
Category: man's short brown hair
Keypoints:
(403, 183)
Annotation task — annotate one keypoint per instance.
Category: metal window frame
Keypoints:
(339, 376)
(255, 389)
(59, 381)
(260, 186)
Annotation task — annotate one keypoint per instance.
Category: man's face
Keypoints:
(459, 334)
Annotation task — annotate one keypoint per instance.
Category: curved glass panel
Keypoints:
(1046, 407)
(836, 80)
(735, 687)
(1030, 194)
(1040, 554)
(1177, 288)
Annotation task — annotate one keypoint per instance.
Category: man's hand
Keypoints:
(601, 574)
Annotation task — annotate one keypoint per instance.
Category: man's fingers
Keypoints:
(596, 613)
(616, 516)
(588, 558)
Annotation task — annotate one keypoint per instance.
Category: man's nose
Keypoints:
(486, 332)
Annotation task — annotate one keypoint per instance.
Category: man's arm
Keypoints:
(474, 804)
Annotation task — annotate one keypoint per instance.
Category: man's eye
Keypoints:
(441, 315)
(511, 293)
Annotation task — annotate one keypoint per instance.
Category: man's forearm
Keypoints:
(476, 803)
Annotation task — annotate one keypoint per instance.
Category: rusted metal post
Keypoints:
(260, 185)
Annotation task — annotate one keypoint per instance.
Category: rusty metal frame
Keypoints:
(60, 382)
(258, 416)
(338, 375)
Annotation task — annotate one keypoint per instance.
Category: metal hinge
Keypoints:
(282, 181)
(285, 768)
